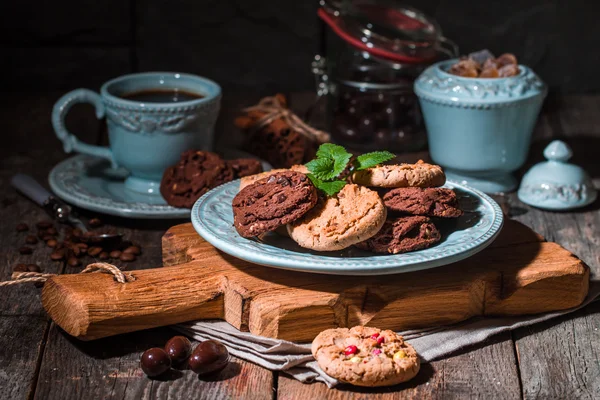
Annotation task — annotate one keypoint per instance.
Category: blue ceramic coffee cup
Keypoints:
(479, 129)
(145, 137)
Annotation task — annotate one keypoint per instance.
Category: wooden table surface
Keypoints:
(559, 359)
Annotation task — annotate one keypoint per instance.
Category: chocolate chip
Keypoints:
(31, 239)
(22, 227)
(115, 254)
(95, 222)
(94, 251)
(303, 178)
(283, 181)
(25, 250)
(44, 224)
(73, 262)
(128, 257)
(133, 250)
(20, 268)
(281, 198)
(52, 243)
(33, 268)
(271, 179)
(57, 255)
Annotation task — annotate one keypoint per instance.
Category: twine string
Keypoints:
(273, 110)
(25, 277)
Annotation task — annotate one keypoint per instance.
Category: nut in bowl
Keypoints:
(479, 128)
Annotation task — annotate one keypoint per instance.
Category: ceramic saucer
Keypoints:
(212, 217)
(90, 183)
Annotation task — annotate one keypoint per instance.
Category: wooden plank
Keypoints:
(487, 373)
(109, 369)
(23, 322)
(559, 358)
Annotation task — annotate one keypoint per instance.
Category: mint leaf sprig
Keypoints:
(332, 160)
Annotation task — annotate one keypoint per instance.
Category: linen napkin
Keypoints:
(296, 359)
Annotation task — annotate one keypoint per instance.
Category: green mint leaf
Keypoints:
(336, 157)
(369, 160)
(330, 150)
(322, 168)
(330, 188)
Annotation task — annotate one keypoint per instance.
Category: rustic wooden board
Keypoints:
(517, 275)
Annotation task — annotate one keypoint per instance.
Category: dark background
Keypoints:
(265, 46)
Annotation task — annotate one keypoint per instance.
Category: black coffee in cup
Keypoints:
(161, 96)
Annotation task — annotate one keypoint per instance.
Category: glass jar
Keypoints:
(367, 78)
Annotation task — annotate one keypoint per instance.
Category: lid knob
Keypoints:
(558, 150)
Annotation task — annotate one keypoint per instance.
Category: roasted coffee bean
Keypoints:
(82, 246)
(155, 361)
(178, 348)
(20, 268)
(95, 222)
(48, 237)
(25, 250)
(103, 256)
(52, 243)
(77, 232)
(41, 234)
(73, 262)
(44, 224)
(127, 257)
(57, 255)
(133, 250)
(75, 251)
(33, 268)
(31, 239)
(52, 231)
(115, 254)
(22, 227)
(209, 357)
(94, 251)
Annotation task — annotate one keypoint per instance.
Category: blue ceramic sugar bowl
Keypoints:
(479, 129)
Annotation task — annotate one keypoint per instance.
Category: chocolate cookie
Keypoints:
(244, 167)
(402, 235)
(432, 202)
(273, 201)
(194, 174)
(365, 356)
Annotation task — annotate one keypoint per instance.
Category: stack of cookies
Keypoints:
(384, 209)
(199, 171)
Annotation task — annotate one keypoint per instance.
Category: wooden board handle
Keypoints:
(91, 306)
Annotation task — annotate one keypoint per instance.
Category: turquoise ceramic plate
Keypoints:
(212, 218)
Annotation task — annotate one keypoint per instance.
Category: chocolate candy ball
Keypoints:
(178, 348)
(155, 361)
(209, 357)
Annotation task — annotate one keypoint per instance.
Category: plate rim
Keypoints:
(477, 245)
(121, 210)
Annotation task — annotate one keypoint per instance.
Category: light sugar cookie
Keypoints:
(420, 174)
(355, 214)
(249, 180)
(365, 356)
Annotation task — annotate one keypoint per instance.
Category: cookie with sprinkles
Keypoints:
(365, 356)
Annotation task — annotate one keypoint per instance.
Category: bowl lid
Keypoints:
(384, 29)
(556, 184)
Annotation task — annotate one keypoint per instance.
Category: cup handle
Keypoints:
(70, 141)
